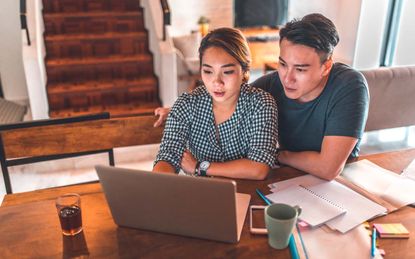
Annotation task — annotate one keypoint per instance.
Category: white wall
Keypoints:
(163, 52)
(371, 31)
(405, 54)
(11, 62)
(186, 13)
(344, 14)
(34, 62)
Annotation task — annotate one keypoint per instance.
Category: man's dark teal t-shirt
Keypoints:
(340, 110)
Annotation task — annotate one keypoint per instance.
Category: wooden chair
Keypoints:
(62, 138)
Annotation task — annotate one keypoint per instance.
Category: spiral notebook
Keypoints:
(316, 209)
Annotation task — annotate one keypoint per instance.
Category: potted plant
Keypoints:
(203, 25)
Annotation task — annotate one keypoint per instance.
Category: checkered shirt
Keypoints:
(251, 132)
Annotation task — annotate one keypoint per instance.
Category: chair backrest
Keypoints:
(392, 91)
(69, 137)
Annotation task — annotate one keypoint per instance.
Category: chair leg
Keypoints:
(6, 178)
(111, 157)
(6, 175)
(4, 168)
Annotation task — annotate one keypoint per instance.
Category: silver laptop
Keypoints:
(190, 206)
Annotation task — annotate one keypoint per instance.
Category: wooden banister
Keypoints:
(80, 137)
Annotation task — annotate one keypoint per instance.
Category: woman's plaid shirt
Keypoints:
(251, 132)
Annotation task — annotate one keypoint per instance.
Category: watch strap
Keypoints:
(197, 168)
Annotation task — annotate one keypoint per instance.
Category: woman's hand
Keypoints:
(162, 113)
(188, 163)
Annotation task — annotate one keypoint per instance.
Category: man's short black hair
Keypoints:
(313, 30)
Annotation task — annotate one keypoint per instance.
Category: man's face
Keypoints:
(301, 72)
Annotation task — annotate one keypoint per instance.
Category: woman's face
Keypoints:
(222, 75)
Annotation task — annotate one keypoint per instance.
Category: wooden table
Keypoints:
(29, 226)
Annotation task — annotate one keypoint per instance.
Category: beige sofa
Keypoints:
(392, 97)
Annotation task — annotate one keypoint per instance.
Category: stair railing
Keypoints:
(23, 20)
(166, 16)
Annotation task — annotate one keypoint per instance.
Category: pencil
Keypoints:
(373, 242)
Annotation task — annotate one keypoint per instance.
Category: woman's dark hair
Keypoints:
(233, 42)
(313, 30)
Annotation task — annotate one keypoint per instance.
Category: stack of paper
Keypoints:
(370, 185)
(395, 230)
(395, 189)
(357, 207)
(316, 210)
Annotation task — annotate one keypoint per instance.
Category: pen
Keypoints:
(373, 242)
(262, 196)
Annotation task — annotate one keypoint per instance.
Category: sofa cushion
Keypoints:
(188, 45)
(392, 92)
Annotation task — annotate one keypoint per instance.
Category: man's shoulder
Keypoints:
(265, 82)
(343, 74)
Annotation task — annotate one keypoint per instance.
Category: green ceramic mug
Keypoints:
(280, 220)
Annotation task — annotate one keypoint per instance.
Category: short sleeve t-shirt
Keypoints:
(340, 110)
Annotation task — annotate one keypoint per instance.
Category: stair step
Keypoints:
(145, 84)
(117, 14)
(102, 93)
(96, 45)
(113, 59)
(59, 6)
(101, 36)
(121, 110)
(93, 23)
(98, 69)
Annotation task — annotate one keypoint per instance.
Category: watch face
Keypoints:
(204, 165)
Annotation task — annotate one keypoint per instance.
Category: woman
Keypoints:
(224, 127)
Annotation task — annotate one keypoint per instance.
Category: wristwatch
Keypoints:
(203, 167)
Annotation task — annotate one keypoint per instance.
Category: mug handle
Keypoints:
(298, 209)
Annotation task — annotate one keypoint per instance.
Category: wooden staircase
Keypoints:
(98, 58)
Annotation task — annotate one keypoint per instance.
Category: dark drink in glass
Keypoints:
(71, 220)
(70, 214)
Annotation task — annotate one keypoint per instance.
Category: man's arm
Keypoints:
(326, 164)
(162, 113)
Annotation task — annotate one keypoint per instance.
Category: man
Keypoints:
(322, 106)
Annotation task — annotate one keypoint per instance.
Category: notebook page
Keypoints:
(368, 176)
(358, 207)
(410, 171)
(315, 210)
(401, 192)
(389, 186)
(304, 180)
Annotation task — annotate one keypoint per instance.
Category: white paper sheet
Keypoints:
(321, 243)
(410, 171)
(391, 187)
